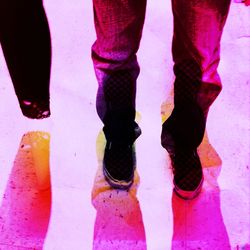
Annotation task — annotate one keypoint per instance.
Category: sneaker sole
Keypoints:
(117, 184)
(188, 195)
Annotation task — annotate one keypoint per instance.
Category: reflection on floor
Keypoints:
(52, 191)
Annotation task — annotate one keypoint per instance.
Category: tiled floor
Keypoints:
(52, 191)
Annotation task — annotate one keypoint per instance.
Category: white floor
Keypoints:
(79, 210)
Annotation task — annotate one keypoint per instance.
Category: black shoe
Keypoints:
(188, 175)
(186, 165)
(181, 134)
(119, 165)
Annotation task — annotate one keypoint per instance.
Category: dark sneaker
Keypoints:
(181, 134)
(188, 175)
(119, 165)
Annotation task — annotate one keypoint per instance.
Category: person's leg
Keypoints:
(119, 25)
(25, 40)
(198, 27)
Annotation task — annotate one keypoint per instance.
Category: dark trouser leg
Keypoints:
(25, 40)
(198, 27)
(118, 26)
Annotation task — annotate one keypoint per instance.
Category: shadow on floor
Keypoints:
(26, 205)
(118, 223)
(198, 224)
